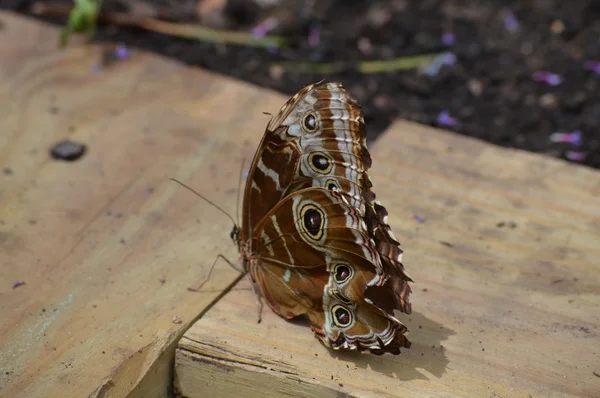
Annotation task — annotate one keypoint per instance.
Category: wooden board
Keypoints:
(107, 245)
(507, 295)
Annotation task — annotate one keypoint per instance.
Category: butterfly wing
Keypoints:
(313, 255)
(316, 140)
(394, 295)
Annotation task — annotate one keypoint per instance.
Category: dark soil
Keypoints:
(492, 91)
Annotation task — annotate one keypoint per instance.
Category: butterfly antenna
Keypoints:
(237, 205)
(207, 200)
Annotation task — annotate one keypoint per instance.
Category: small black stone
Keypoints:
(67, 150)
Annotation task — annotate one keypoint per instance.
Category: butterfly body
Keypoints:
(313, 238)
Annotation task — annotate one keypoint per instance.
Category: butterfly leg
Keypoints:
(259, 302)
(210, 270)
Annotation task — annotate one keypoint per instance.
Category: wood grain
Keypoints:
(107, 245)
(507, 295)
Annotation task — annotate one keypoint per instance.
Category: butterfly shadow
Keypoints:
(427, 355)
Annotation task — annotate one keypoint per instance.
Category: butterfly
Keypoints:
(313, 237)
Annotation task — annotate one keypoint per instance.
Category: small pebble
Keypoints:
(557, 26)
(176, 320)
(276, 72)
(548, 101)
(378, 15)
(68, 150)
(381, 102)
(527, 48)
(364, 45)
(475, 87)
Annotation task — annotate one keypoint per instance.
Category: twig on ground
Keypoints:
(188, 31)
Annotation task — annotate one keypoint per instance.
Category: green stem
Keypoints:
(366, 67)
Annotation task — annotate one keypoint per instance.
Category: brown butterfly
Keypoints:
(313, 237)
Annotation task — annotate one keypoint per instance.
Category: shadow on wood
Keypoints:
(429, 343)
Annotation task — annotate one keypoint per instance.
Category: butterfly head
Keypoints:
(236, 235)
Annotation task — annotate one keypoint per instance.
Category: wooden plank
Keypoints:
(107, 245)
(507, 295)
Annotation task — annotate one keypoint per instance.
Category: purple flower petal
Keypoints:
(554, 80)
(575, 137)
(438, 61)
(510, 22)
(594, 66)
(17, 284)
(122, 52)
(547, 77)
(540, 76)
(444, 119)
(314, 35)
(575, 156)
(448, 39)
(263, 28)
(449, 59)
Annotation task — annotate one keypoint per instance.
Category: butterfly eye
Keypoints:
(313, 221)
(320, 163)
(332, 185)
(341, 316)
(310, 122)
(342, 273)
